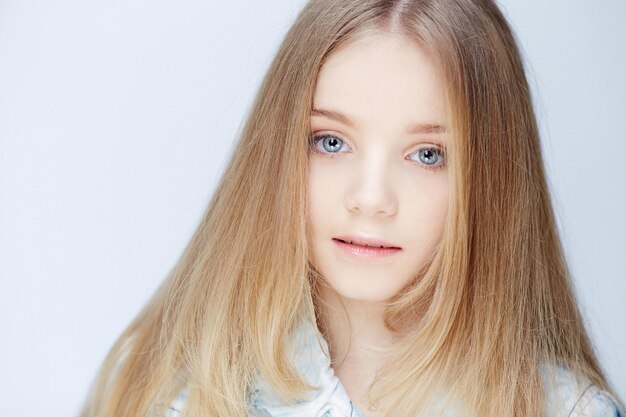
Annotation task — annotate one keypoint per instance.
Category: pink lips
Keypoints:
(365, 248)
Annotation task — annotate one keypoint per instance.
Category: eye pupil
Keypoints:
(427, 156)
(332, 144)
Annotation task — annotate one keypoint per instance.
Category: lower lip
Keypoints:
(365, 252)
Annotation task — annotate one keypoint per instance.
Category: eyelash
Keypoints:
(314, 139)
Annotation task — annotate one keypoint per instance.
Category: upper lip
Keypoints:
(366, 241)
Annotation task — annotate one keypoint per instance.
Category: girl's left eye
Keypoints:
(329, 144)
(430, 156)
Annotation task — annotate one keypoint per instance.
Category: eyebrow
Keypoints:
(415, 128)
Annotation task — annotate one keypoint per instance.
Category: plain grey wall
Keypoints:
(116, 120)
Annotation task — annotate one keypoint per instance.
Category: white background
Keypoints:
(117, 118)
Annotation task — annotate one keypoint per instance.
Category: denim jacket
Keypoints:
(311, 360)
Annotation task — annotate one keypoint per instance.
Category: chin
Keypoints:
(365, 289)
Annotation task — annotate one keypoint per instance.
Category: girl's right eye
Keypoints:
(330, 144)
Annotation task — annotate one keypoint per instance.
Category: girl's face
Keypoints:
(377, 167)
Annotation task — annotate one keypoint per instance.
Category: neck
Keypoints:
(355, 331)
(357, 339)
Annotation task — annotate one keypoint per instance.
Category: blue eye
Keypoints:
(328, 144)
(430, 156)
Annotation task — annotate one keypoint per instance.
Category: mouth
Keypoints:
(370, 243)
(365, 248)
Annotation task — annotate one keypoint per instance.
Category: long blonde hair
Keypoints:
(494, 304)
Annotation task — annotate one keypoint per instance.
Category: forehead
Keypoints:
(382, 77)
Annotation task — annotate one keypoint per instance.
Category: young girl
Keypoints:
(381, 244)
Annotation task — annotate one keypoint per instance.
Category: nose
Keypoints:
(371, 190)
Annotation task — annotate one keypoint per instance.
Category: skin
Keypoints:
(368, 179)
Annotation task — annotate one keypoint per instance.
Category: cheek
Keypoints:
(326, 212)
(318, 207)
(425, 213)
(323, 195)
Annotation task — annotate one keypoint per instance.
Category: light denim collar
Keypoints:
(310, 358)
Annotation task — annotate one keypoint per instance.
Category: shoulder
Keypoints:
(568, 395)
(308, 353)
